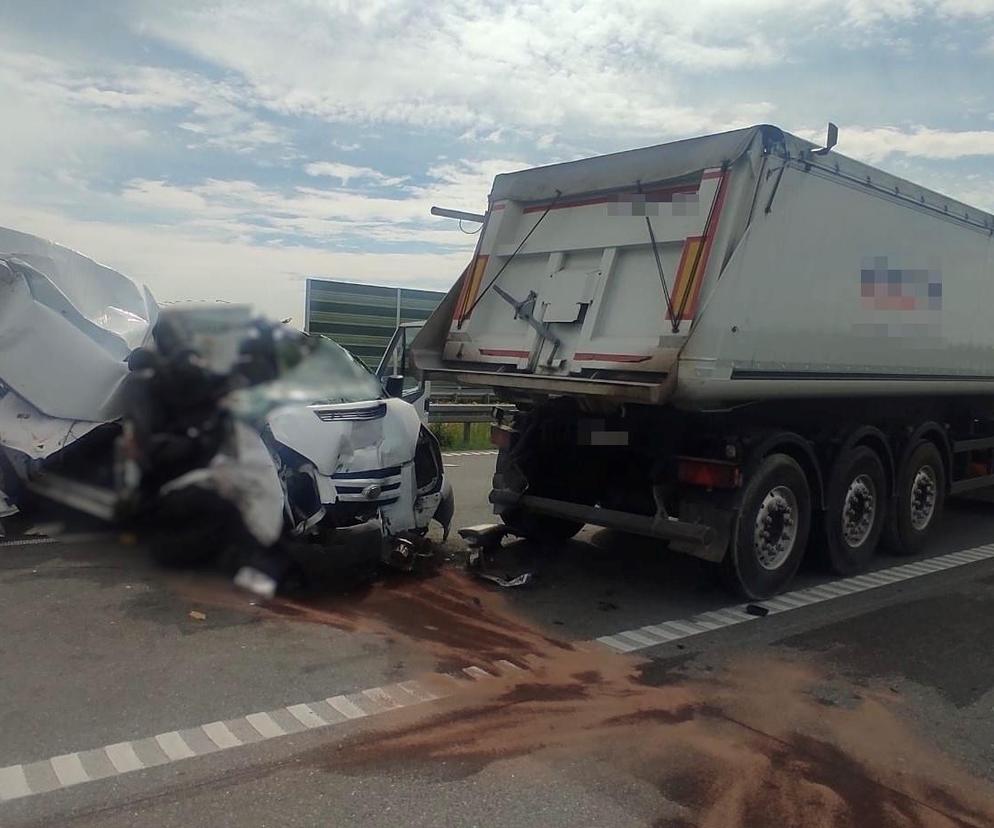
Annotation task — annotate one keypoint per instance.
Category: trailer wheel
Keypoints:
(771, 532)
(542, 528)
(855, 513)
(919, 498)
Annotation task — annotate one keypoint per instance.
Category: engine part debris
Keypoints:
(523, 579)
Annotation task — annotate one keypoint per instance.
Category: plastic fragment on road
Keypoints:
(196, 615)
(521, 580)
(255, 581)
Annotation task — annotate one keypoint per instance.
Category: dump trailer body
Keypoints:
(733, 267)
(733, 343)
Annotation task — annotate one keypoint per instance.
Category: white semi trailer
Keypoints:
(741, 344)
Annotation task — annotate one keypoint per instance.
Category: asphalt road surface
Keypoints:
(621, 687)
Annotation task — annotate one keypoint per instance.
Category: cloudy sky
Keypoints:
(230, 149)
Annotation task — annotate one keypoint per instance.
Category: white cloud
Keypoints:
(46, 132)
(225, 126)
(218, 111)
(347, 172)
(528, 66)
(874, 144)
(180, 265)
(966, 8)
(463, 184)
(242, 209)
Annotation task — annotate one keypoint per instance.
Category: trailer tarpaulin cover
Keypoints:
(649, 164)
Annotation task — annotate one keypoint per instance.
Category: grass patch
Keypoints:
(454, 437)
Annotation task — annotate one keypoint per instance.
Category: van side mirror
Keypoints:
(394, 385)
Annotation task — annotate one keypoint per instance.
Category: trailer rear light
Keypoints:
(501, 437)
(711, 474)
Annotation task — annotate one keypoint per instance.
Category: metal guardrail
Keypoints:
(460, 412)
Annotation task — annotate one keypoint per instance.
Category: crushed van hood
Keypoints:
(67, 324)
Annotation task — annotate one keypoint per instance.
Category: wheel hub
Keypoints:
(859, 511)
(924, 490)
(776, 528)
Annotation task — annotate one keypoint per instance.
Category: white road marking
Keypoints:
(13, 783)
(264, 725)
(417, 690)
(482, 453)
(307, 717)
(381, 698)
(476, 672)
(627, 641)
(219, 734)
(27, 541)
(174, 746)
(76, 537)
(123, 757)
(640, 638)
(69, 769)
(348, 709)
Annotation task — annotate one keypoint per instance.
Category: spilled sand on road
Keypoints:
(751, 742)
(451, 616)
(750, 745)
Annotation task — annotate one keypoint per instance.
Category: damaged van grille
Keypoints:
(370, 412)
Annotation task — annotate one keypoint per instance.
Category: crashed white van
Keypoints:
(77, 342)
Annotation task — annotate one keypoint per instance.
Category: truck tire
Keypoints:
(771, 531)
(919, 498)
(541, 528)
(856, 510)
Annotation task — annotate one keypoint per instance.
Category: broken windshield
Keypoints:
(312, 370)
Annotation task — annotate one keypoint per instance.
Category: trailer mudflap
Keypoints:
(705, 513)
(695, 539)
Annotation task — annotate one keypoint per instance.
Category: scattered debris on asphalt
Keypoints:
(507, 582)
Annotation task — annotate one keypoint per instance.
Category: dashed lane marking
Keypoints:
(174, 746)
(221, 736)
(264, 725)
(69, 769)
(486, 453)
(123, 757)
(13, 783)
(652, 635)
(76, 537)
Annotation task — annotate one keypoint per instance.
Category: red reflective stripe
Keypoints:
(591, 357)
(503, 352)
(586, 202)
